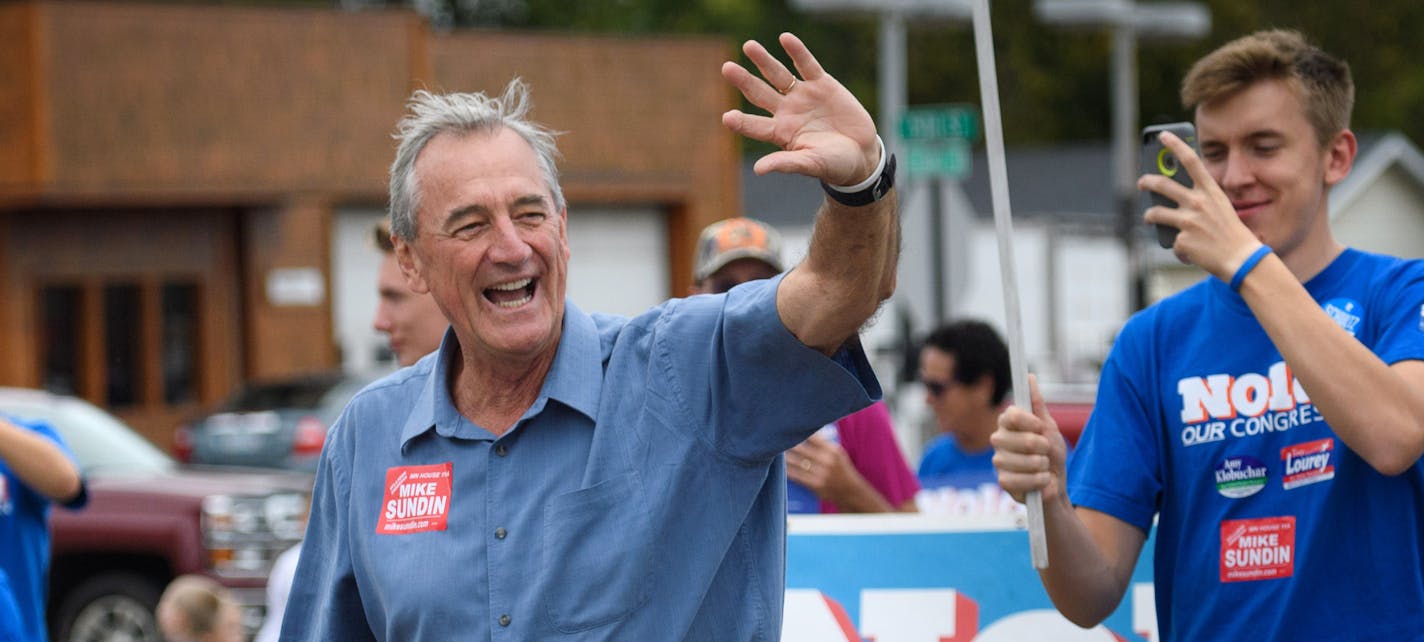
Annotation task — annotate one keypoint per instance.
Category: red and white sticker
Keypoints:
(1257, 549)
(417, 499)
(1308, 463)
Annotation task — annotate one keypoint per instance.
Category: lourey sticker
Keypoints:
(1308, 463)
(417, 499)
(1257, 549)
(1238, 477)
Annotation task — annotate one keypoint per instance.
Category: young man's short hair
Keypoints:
(1322, 80)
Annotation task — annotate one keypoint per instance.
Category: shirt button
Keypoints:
(501, 450)
(504, 620)
(499, 533)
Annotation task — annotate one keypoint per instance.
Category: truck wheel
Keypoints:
(109, 608)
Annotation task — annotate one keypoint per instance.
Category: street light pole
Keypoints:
(892, 84)
(1124, 137)
(892, 80)
(1128, 21)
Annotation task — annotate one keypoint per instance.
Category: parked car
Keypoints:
(271, 424)
(1071, 416)
(150, 519)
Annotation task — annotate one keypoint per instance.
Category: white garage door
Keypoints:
(620, 259)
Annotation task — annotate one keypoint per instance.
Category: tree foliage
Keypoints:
(1054, 83)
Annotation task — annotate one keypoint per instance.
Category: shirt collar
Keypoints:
(575, 380)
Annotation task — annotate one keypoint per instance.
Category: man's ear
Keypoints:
(410, 266)
(984, 388)
(1340, 156)
(564, 232)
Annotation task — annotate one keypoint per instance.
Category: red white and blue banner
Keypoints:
(915, 578)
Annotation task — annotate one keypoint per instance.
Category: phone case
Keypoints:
(1157, 159)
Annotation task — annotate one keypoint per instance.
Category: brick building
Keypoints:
(169, 175)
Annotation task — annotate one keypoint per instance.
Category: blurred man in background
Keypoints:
(410, 319)
(853, 465)
(964, 366)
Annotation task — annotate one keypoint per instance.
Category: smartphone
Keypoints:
(1157, 159)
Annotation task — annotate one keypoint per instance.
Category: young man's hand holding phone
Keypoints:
(1157, 159)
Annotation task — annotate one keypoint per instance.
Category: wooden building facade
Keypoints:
(168, 175)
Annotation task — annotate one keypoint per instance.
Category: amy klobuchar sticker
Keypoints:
(1238, 477)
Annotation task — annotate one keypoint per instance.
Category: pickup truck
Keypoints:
(150, 519)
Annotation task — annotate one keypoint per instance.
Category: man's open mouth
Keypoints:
(512, 294)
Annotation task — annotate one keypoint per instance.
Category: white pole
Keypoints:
(1004, 228)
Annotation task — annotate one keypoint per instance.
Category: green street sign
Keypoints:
(936, 122)
(946, 158)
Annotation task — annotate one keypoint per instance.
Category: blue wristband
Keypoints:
(1249, 265)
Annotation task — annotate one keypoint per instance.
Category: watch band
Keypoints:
(876, 191)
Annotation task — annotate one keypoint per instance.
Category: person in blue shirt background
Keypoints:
(964, 367)
(36, 469)
(549, 474)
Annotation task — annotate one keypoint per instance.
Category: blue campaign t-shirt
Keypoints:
(24, 540)
(960, 483)
(946, 464)
(1270, 527)
(10, 621)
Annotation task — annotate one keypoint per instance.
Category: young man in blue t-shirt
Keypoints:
(36, 468)
(1270, 418)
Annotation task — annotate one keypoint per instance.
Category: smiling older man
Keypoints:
(556, 475)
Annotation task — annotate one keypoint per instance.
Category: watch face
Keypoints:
(882, 186)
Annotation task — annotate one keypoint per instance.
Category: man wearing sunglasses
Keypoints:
(964, 366)
(853, 465)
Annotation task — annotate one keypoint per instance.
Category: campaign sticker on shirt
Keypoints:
(1257, 549)
(1308, 463)
(5, 505)
(1346, 312)
(1238, 477)
(417, 499)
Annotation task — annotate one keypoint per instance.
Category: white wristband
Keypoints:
(874, 176)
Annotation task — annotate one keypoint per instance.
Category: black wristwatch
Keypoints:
(875, 192)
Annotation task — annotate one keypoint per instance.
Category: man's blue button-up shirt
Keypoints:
(641, 496)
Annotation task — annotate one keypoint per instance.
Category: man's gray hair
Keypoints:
(462, 113)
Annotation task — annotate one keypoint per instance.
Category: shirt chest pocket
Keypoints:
(597, 561)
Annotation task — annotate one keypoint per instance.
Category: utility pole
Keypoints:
(1128, 21)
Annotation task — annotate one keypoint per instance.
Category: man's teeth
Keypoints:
(514, 285)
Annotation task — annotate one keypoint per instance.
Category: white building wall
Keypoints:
(1385, 218)
(355, 260)
(619, 261)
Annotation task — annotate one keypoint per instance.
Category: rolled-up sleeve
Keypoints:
(731, 360)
